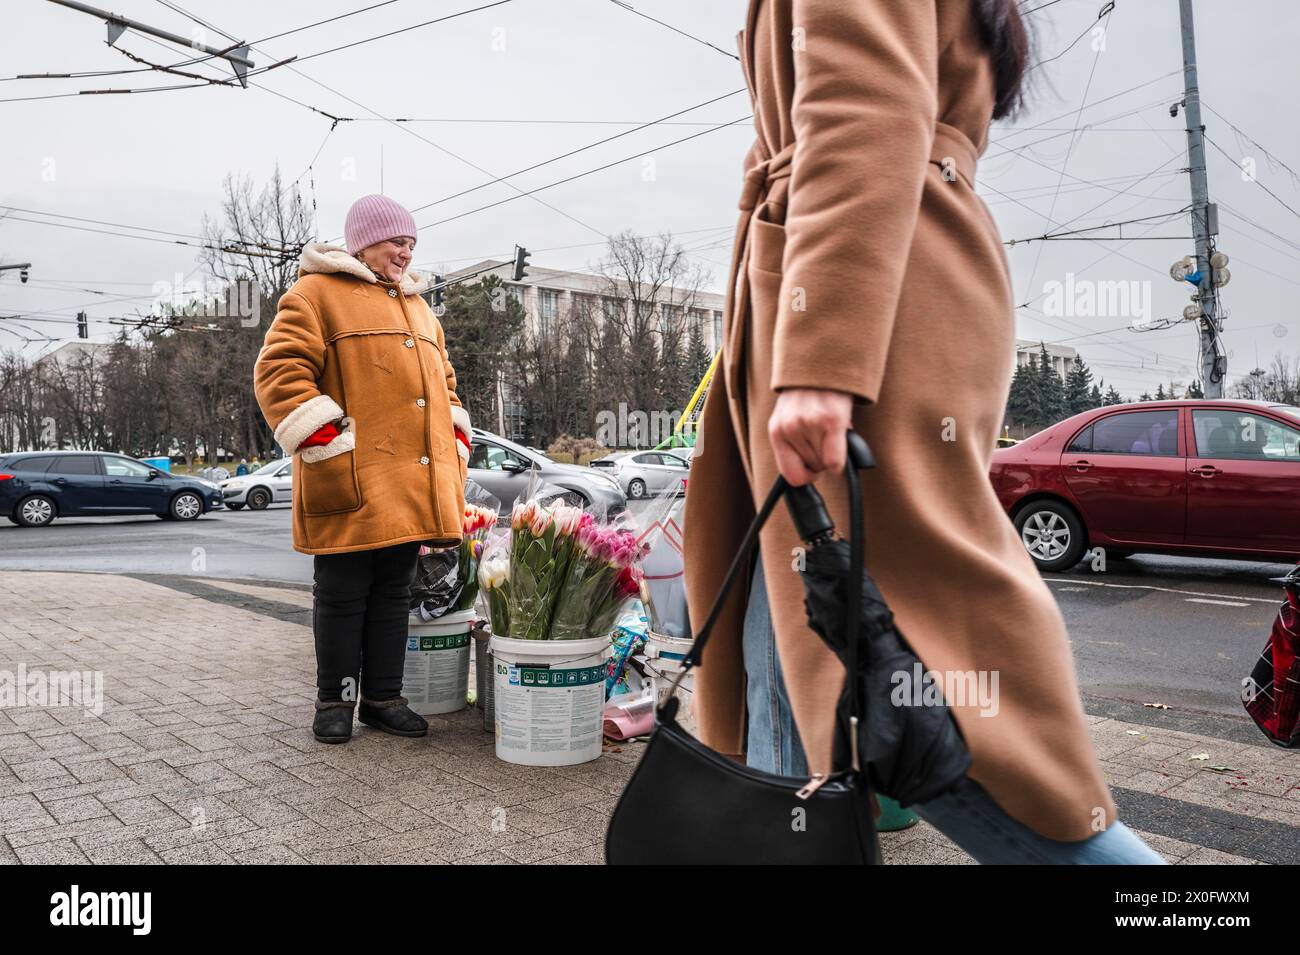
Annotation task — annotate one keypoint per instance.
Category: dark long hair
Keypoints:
(1003, 31)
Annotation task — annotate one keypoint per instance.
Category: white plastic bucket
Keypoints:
(548, 697)
(663, 662)
(436, 675)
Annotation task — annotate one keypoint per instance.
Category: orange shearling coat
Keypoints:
(346, 345)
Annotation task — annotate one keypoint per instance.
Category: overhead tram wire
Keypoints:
(256, 72)
(574, 152)
(601, 168)
(690, 36)
(409, 131)
(1078, 115)
(1255, 179)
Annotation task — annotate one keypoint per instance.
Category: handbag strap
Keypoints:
(859, 456)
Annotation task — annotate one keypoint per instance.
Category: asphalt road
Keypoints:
(1147, 630)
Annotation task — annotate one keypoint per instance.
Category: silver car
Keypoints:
(272, 484)
(643, 473)
(503, 468)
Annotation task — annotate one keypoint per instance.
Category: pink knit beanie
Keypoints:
(373, 219)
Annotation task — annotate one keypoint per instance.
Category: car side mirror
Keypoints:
(513, 466)
(152, 475)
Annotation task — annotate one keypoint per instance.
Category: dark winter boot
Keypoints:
(333, 722)
(393, 716)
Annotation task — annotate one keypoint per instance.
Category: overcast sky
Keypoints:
(528, 80)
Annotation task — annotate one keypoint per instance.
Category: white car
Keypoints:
(643, 473)
(272, 484)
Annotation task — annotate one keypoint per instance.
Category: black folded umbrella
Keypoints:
(911, 753)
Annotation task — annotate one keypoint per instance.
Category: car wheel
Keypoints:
(234, 507)
(258, 499)
(636, 489)
(13, 520)
(1053, 535)
(186, 506)
(35, 511)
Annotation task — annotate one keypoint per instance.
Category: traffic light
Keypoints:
(22, 276)
(521, 262)
(83, 325)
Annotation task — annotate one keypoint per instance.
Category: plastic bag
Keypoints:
(437, 581)
(446, 578)
(569, 574)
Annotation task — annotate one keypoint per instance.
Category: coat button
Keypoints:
(392, 292)
(409, 343)
(424, 460)
(419, 402)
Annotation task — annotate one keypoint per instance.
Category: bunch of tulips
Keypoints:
(568, 576)
(474, 527)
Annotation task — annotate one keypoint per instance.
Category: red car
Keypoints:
(1199, 477)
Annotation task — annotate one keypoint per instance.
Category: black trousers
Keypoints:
(359, 613)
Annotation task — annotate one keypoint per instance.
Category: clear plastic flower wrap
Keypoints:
(494, 581)
(603, 574)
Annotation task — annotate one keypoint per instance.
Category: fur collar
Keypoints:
(322, 258)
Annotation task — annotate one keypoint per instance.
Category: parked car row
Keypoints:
(36, 487)
(1193, 477)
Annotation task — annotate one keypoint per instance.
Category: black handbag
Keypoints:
(687, 804)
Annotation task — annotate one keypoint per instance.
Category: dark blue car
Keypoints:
(38, 486)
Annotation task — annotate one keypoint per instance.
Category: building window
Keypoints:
(669, 316)
(548, 308)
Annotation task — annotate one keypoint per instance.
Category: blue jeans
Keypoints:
(967, 815)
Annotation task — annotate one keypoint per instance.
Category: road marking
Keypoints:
(1220, 603)
(1168, 590)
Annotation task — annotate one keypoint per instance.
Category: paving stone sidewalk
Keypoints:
(203, 753)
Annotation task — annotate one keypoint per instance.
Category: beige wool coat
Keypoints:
(865, 262)
(346, 345)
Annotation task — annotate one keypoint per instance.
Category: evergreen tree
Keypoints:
(1146, 396)
(1095, 398)
(1051, 390)
(1078, 388)
(1113, 397)
(697, 357)
(1160, 393)
(1022, 401)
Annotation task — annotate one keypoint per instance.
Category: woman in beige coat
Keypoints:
(869, 290)
(355, 380)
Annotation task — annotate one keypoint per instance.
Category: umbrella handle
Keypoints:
(808, 509)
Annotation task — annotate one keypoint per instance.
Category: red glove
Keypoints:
(324, 435)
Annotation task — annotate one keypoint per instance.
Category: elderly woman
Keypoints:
(355, 380)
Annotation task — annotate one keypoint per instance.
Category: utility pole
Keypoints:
(1205, 219)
